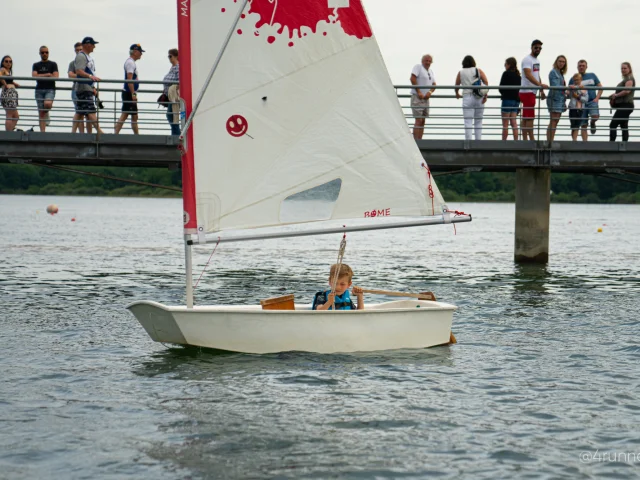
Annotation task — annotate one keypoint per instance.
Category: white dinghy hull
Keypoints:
(249, 329)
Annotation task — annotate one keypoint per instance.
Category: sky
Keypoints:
(490, 30)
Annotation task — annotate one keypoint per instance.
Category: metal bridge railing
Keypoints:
(446, 121)
(152, 118)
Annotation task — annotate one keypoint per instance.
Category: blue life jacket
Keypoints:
(125, 86)
(342, 302)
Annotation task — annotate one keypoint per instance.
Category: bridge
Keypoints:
(443, 146)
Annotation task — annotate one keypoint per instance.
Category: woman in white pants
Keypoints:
(472, 100)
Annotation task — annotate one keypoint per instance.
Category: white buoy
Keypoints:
(52, 209)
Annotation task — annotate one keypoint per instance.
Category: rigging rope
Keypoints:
(431, 194)
(343, 246)
(108, 177)
(207, 264)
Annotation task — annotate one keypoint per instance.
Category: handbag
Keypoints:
(163, 100)
(479, 92)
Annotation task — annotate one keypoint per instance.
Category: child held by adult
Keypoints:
(578, 98)
(340, 299)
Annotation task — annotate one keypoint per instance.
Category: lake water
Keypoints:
(544, 382)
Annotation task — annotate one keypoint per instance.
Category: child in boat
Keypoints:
(340, 300)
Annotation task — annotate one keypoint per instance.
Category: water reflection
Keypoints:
(530, 284)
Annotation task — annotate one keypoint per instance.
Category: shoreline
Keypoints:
(452, 198)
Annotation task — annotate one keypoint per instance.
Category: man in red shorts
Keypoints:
(530, 78)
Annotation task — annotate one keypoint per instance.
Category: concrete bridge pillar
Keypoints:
(533, 188)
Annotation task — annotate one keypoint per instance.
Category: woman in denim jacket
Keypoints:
(556, 99)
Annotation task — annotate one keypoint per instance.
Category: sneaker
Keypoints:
(593, 128)
(47, 119)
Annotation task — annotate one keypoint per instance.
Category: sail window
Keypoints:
(310, 205)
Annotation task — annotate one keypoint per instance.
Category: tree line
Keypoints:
(474, 187)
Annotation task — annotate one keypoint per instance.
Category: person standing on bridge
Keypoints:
(557, 99)
(590, 79)
(9, 96)
(45, 89)
(172, 90)
(530, 78)
(622, 102)
(421, 75)
(78, 120)
(473, 99)
(130, 90)
(85, 90)
(510, 98)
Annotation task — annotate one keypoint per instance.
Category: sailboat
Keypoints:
(297, 101)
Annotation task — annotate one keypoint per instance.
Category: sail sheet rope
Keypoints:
(336, 275)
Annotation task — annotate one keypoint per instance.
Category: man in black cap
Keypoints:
(530, 78)
(85, 87)
(130, 89)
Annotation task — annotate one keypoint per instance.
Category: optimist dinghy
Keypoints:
(297, 101)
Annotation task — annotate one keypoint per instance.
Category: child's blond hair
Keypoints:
(577, 77)
(345, 271)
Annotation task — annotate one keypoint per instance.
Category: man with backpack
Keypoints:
(85, 89)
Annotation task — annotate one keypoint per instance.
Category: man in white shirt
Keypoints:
(130, 90)
(421, 75)
(530, 78)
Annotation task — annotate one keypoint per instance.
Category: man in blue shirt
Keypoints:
(589, 79)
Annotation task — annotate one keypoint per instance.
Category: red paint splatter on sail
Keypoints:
(354, 21)
(291, 15)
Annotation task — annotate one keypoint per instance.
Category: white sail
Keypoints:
(301, 98)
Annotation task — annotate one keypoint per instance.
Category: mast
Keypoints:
(187, 145)
(188, 178)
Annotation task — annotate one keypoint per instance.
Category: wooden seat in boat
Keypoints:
(284, 302)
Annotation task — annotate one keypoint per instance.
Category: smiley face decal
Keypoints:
(237, 125)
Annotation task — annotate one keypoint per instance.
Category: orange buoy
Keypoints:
(73, 219)
(52, 209)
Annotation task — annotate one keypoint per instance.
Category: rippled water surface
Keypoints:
(544, 382)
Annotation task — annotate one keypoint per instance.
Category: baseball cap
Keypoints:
(89, 40)
(136, 46)
(536, 42)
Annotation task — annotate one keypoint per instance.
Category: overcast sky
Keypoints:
(601, 31)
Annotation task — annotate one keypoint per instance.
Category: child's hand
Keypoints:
(331, 299)
(357, 290)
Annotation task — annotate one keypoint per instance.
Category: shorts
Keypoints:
(576, 118)
(9, 98)
(556, 103)
(419, 107)
(128, 105)
(44, 94)
(86, 103)
(510, 106)
(74, 97)
(590, 110)
(528, 100)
